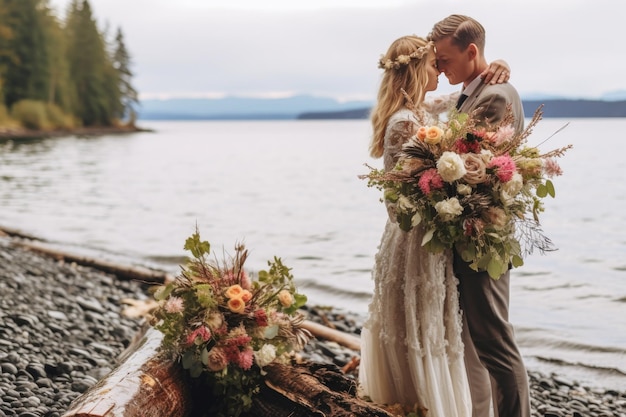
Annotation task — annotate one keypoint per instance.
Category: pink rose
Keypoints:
(216, 360)
(475, 167)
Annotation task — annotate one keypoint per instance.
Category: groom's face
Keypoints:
(453, 62)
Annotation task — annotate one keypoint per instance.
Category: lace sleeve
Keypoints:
(398, 132)
(440, 104)
(400, 128)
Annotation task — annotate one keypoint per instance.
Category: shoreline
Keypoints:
(62, 330)
(21, 133)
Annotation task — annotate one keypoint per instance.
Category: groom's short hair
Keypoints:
(462, 29)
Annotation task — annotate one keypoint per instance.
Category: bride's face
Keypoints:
(433, 72)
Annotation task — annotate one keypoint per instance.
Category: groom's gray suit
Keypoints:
(493, 361)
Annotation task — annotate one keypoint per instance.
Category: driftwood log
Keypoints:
(147, 384)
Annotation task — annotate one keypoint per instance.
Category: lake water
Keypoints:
(290, 189)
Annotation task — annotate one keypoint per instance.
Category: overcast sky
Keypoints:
(197, 48)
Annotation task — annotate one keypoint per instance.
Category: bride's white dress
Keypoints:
(411, 348)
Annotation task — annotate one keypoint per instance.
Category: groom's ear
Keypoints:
(472, 51)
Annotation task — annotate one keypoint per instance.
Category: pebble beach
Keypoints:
(62, 330)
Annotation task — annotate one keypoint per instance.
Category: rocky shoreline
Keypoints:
(61, 331)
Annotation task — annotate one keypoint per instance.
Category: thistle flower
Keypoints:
(174, 305)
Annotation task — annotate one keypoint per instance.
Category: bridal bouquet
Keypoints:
(473, 189)
(225, 327)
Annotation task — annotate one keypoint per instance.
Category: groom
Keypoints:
(494, 364)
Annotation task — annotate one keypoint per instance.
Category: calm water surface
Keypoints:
(290, 189)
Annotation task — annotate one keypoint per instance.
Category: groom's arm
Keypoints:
(491, 106)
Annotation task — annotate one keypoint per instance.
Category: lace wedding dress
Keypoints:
(411, 348)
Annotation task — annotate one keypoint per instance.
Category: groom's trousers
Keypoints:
(493, 361)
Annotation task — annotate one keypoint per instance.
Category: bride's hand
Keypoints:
(498, 72)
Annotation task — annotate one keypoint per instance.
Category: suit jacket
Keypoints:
(489, 104)
(490, 101)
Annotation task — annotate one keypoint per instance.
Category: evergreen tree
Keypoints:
(27, 68)
(122, 62)
(59, 86)
(89, 67)
(6, 53)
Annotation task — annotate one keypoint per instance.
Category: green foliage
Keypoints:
(38, 115)
(4, 115)
(31, 114)
(197, 247)
(57, 118)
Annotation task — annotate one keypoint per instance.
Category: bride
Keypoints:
(411, 348)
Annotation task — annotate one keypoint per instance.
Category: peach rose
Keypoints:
(234, 291)
(236, 305)
(285, 298)
(246, 296)
(476, 170)
(421, 132)
(434, 134)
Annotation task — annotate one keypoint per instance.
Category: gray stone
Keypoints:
(9, 368)
(59, 315)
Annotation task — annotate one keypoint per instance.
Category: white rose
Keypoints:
(463, 189)
(265, 355)
(449, 209)
(514, 185)
(450, 166)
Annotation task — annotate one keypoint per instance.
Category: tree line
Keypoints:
(62, 72)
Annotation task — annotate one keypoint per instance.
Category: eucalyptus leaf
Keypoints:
(542, 190)
(517, 261)
(550, 188)
(495, 268)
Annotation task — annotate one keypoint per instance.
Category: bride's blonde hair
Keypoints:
(405, 74)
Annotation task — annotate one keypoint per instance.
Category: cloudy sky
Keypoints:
(206, 48)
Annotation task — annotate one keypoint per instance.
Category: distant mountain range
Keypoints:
(310, 107)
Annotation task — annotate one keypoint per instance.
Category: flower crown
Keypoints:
(401, 60)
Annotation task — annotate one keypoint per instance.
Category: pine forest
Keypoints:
(60, 71)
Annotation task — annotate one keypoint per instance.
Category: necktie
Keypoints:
(461, 101)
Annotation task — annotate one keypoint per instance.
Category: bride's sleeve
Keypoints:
(397, 134)
(441, 104)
